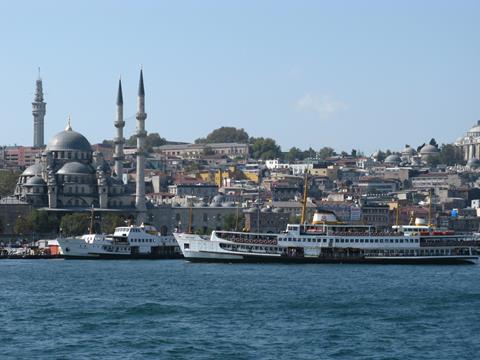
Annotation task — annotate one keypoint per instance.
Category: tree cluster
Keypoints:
(8, 180)
(39, 222)
(225, 134)
(152, 140)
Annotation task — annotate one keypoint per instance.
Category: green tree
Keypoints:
(37, 221)
(75, 224)
(22, 226)
(433, 160)
(232, 222)
(264, 148)
(294, 154)
(225, 134)
(326, 152)
(309, 153)
(207, 150)
(152, 140)
(110, 222)
(8, 181)
(450, 155)
(381, 155)
(433, 142)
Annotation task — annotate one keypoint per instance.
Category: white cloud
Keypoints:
(323, 105)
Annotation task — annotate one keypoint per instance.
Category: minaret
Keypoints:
(118, 156)
(38, 111)
(141, 134)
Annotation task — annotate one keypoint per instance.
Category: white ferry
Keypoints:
(127, 242)
(327, 240)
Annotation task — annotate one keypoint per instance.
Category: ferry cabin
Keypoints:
(345, 240)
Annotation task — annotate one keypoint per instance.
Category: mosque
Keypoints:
(470, 144)
(70, 176)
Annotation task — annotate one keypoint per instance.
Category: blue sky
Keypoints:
(346, 74)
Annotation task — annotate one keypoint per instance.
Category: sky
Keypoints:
(363, 75)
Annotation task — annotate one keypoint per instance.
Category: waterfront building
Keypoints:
(193, 151)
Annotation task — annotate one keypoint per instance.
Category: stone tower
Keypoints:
(119, 140)
(141, 134)
(38, 111)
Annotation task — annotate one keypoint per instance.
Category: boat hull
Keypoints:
(463, 260)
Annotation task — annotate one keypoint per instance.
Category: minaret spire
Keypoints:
(119, 140)
(38, 112)
(140, 203)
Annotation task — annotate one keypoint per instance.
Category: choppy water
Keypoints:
(174, 309)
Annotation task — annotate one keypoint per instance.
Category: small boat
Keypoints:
(127, 242)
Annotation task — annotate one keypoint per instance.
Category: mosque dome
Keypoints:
(69, 140)
(428, 150)
(393, 159)
(475, 130)
(32, 170)
(376, 154)
(408, 151)
(35, 181)
(75, 168)
(473, 163)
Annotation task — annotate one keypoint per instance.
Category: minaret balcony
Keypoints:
(119, 124)
(141, 116)
(118, 140)
(141, 133)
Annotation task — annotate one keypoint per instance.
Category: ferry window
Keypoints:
(376, 240)
(361, 240)
(324, 240)
(396, 240)
(356, 240)
(186, 246)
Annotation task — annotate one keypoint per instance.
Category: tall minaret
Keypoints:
(141, 134)
(118, 156)
(38, 111)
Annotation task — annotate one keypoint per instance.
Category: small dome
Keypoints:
(74, 167)
(475, 130)
(69, 140)
(428, 150)
(408, 151)
(473, 163)
(277, 210)
(376, 154)
(35, 169)
(393, 159)
(35, 181)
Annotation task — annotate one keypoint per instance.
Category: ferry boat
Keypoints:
(327, 240)
(127, 242)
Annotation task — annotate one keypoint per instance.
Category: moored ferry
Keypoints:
(327, 240)
(127, 242)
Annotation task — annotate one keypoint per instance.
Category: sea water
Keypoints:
(58, 309)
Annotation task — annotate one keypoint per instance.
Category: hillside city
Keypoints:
(227, 180)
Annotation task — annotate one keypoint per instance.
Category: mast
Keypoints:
(304, 201)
